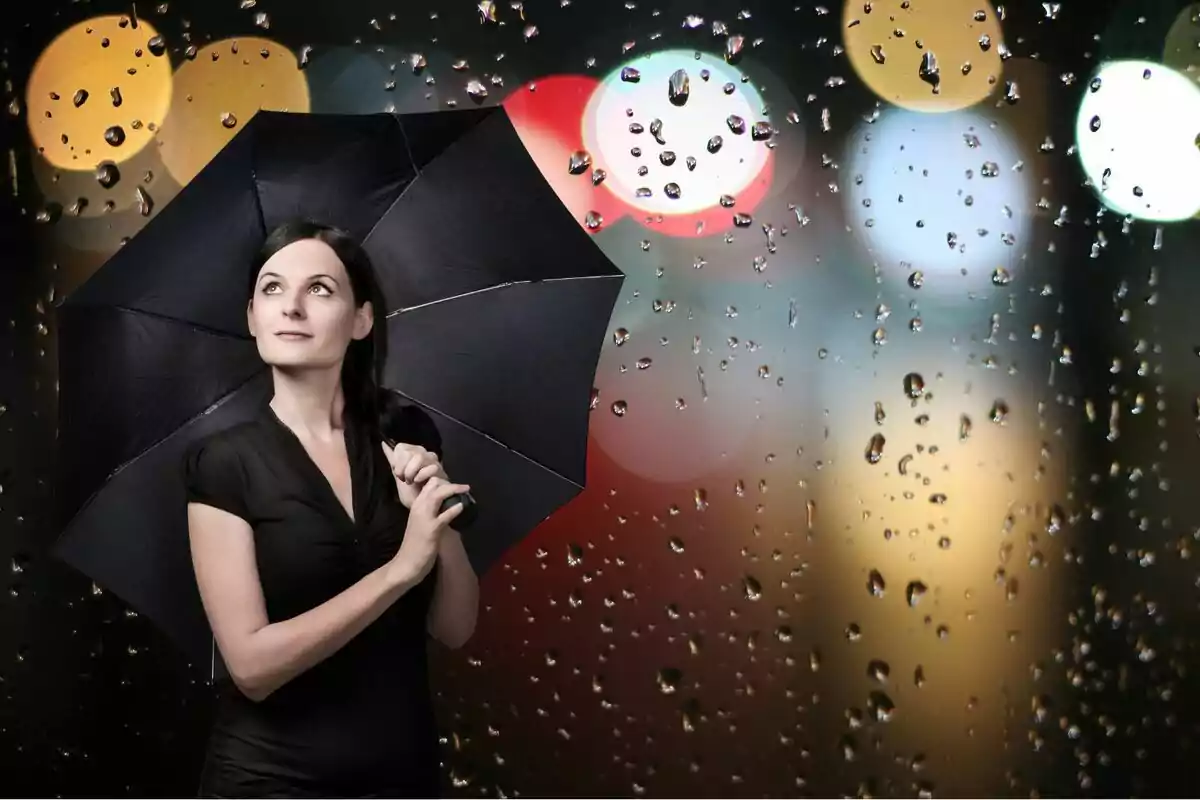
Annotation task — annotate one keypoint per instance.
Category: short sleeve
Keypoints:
(213, 475)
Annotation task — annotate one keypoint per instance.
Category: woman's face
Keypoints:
(302, 311)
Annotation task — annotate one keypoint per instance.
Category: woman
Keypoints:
(321, 554)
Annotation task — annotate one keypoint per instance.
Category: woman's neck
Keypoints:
(312, 405)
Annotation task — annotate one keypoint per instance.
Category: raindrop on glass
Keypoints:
(678, 87)
(581, 161)
(875, 448)
(107, 174)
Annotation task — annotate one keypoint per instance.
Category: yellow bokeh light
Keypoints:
(219, 91)
(892, 45)
(98, 92)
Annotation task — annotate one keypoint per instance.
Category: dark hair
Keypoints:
(362, 369)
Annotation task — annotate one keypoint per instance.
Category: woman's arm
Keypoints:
(455, 607)
(263, 656)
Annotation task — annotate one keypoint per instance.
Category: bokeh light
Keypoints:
(98, 92)
(925, 55)
(1137, 129)
(695, 157)
(1180, 49)
(681, 395)
(941, 201)
(219, 91)
(546, 114)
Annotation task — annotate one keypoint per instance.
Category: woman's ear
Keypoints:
(364, 320)
(250, 317)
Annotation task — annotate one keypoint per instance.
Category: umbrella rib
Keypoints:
(413, 163)
(496, 286)
(491, 438)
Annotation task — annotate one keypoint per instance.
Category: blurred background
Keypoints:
(888, 471)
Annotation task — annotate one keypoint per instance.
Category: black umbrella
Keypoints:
(500, 302)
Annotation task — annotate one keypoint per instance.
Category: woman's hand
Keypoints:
(426, 524)
(412, 467)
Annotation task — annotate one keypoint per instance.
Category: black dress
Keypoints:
(360, 723)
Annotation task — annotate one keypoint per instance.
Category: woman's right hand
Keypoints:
(426, 523)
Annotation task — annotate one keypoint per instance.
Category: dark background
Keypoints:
(565, 698)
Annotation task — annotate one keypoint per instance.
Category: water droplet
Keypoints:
(853, 632)
(620, 336)
(581, 161)
(733, 48)
(672, 190)
(669, 679)
(751, 588)
(878, 670)
(877, 54)
(714, 144)
(880, 706)
(875, 448)
(999, 412)
(49, 214)
(1001, 276)
(598, 176)
(593, 220)
(761, 131)
(630, 75)
(144, 201)
(742, 220)
(875, 583)
(691, 163)
(80, 98)
(476, 90)
(115, 135)
(619, 407)
(964, 428)
(676, 544)
(107, 174)
(919, 676)
(929, 72)
(229, 119)
(157, 45)
(666, 158)
(914, 592)
(736, 125)
(914, 385)
(678, 87)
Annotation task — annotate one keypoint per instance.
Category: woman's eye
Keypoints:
(322, 286)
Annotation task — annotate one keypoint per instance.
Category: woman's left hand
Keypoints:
(412, 465)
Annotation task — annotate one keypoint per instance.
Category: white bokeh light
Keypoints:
(941, 195)
(1137, 128)
(686, 131)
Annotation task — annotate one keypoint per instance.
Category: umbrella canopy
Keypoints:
(499, 303)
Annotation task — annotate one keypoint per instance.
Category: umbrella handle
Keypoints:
(470, 509)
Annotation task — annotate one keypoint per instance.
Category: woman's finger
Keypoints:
(448, 516)
(415, 463)
(428, 471)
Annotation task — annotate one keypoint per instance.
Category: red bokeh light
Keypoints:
(547, 114)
